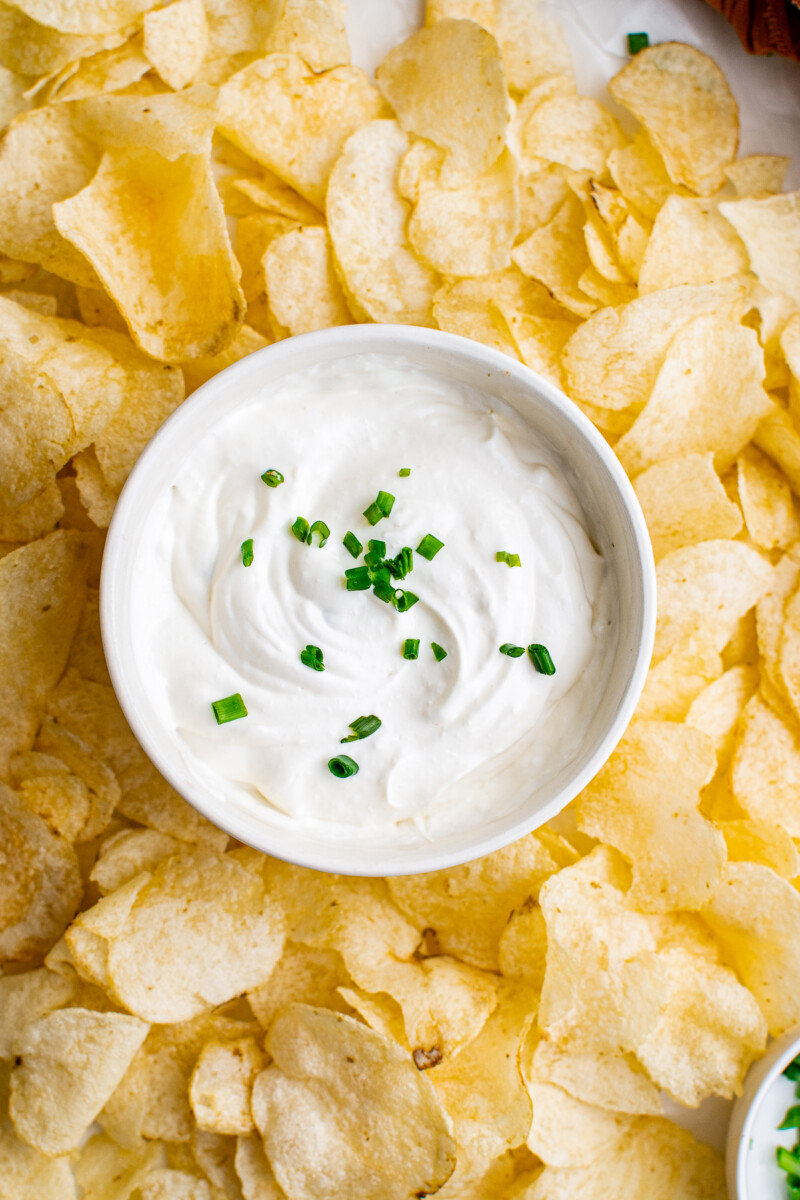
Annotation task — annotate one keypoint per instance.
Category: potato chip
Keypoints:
(166, 1183)
(315, 30)
(25, 998)
(632, 243)
(176, 41)
(716, 710)
(533, 47)
(266, 191)
(690, 243)
(42, 161)
(171, 124)
(302, 286)
(127, 853)
(674, 683)
(575, 131)
(759, 842)
(28, 48)
(638, 171)
(612, 1081)
(199, 370)
(159, 250)
(707, 587)
(12, 97)
(777, 436)
(378, 1126)
(676, 855)
(523, 946)
(105, 1171)
(294, 122)
(51, 791)
(556, 255)
(469, 906)
(656, 1159)
(33, 519)
(219, 1091)
(302, 975)
(541, 195)
(255, 1174)
(770, 229)
(466, 230)
(540, 341)
(67, 1065)
(766, 500)
(25, 1174)
(96, 496)
(685, 104)
(612, 361)
(254, 235)
(683, 502)
(758, 174)
(83, 17)
(470, 123)
(367, 217)
(766, 768)
(468, 308)
(214, 1154)
(565, 1132)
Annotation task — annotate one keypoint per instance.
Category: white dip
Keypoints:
(461, 740)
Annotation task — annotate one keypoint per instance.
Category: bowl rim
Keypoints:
(363, 339)
(758, 1081)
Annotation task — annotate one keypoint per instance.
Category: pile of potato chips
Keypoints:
(180, 185)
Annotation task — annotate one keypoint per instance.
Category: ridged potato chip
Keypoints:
(690, 243)
(645, 802)
(219, 1090)
(367, 217)
(303, 288)
(378, 1127)
(294, 122)
(683, 502)
(685, 104)
(770, 229)
(176, 41)
(155, 232)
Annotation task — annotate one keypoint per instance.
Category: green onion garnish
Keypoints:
(231, 708)
(351, 543)
(411, 648)
(363, 727)
(540, 657)
(384, 591)
(793, 1070)
(788, 1160)
(247, 553)
(511, 560)
(312, 657)
(637, 42)
(439, 652)
(404, 472)
(320, 528)
(300, 529)
(792, 1118)
(403, 601)
(357, 579)
(511, 650)
(402, 564)
(342, 766)
(381, 507)
(375, 553)
(272, 478)
(429, 547)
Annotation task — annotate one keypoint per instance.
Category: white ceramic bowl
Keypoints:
(753, 1136)
(613, 518)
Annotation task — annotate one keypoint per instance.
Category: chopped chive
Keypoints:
(429, 547)
(375, 553)
(357, 579)
(385, 502)
(300, 529)
(272, 478)
(322, 529)
(231, 708)
(247, 553)
(511, 650)
(511, 560)
(312, 657)
(411, 648)
(637, 42)
(792, 1071)
(380, 575)
(404, 472)
(363, 727)
(403, 601)
(792, 1118)
(384, 591)
(402, 564)
(540, 657)
(351, 543)
(342, 766)
(788, 1160)
(373, 513)
(439, 652)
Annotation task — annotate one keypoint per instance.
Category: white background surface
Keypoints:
(768, 93)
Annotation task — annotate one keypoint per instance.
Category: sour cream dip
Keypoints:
(460, 739)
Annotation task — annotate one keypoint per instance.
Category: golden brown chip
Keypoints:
(29, 48)
(171, 124)
(766, 768)
(685, 104)
(25, 998)
(690, 243)
(219, 1091)
(367, 217)
(683, 501)
(303, 288)
(556, 255)
(760, 842)
(294, 122)
(34, 519)
(469, 122)
(766, 500)
(176, 41)
(199, 370)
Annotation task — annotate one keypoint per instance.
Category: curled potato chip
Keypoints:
(199, 370)
(556, 255)
(303, 288)
(302, 975)
(33, 519)
(645, 802)
(766, 768)
(84, 16)
(219, 1091)
(379, 1128)
(25, 998)
(715, 711)
(766, 500)
(690, 243)
(171, 124)
(777, 436)
(612, 1081)
(638, 171)
(758, 174)
(28, 48)
(761, 842)
(707, 587)
(566, 1132)
(68, 1063)
(155, 232)
(770, 229)
(367, 220)
(43, 160)
(575, 131)
(176, 41)
(707, 397)
(469, 122)
(105, 1171)
(683, 501)
(127, 853)
(685, 104)
(613, 359)
(294, 122)
(523, 945)
(673, 683)
(108, 71)
(315, 30)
